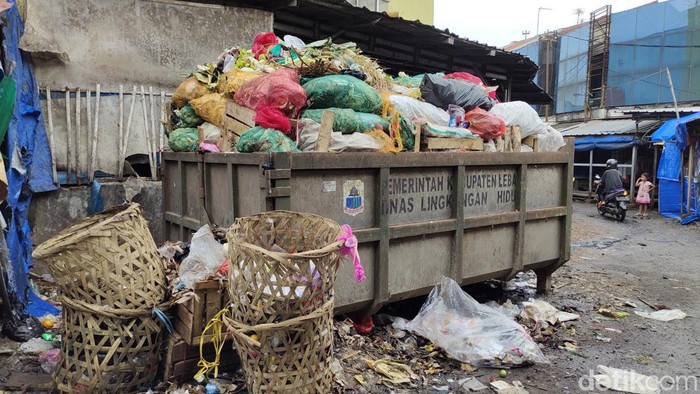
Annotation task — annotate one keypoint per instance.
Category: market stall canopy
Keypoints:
(609, 134)
(402, 45)
(667, 131)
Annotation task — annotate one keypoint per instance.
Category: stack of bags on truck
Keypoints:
(287, 86)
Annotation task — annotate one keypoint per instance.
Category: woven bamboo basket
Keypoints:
(282, 265)
(292, 356)
(101, 354)
(107, 259)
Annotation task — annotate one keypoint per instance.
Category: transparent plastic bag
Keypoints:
(551, 140)
(206, 256)
(520, 113)
(471, 332)
(411, 108)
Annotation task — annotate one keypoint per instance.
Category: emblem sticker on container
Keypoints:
(353, 197)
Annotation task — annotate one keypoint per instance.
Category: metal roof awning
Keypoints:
(610, 127)
(402, 45)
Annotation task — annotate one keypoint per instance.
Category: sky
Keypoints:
(499, 22)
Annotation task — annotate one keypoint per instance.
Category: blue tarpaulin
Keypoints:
(671, 128)
(29, 169)
(606, 142)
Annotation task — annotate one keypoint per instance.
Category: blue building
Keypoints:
(615, 73)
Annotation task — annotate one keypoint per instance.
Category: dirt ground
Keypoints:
(653, 261)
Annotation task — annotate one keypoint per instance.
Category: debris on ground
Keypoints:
(613, 314)
(394, 372)
(502, 387)
(663, 315)
(626, 381)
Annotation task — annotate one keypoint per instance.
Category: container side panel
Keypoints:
(249, 192)
(220, 194)
(419, 195)
(542, 240)
(346, 196)
(418, 262)
(347, 290)
(488, 250)
(544, 188)
(489, 190)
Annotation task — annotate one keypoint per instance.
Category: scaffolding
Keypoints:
(598, 58)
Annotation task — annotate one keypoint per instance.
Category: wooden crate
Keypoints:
(237, 120)
(180, 362)
(193, 315)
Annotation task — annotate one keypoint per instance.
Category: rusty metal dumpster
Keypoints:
(418, 216)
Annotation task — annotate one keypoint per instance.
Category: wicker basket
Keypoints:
(293, 356)
(268, 286)
(107, 259)
(102, 354)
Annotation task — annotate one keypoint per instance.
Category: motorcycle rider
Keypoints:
(611, 180)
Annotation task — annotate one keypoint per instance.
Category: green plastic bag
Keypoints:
(188, 118)
(184, 140)
(348, 121)
(407, 137)
(7, 104)
(260, 139)
(342, 91)
(411, 81)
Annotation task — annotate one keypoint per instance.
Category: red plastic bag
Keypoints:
(279, 90)
(262, 42)
(465, 76)
(273, 118)
(484, 124)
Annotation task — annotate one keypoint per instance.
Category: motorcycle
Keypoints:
(614, 203)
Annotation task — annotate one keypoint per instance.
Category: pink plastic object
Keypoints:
(350, 250)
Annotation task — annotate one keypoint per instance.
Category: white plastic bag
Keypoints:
(211, 133)
(357, 142)
(551, 140)
(520, 113)
(206, 256)
(411, 108)
(471, 332)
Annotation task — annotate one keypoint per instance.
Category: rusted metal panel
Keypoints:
(417, 216)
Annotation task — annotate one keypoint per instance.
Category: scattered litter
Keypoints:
(502, 387)
(607, 312)
(643, 359)
(360, 379)
(471, 332)
(394, 371)
(541, 311)
(49, 360)
(627, 381)
(441, 388)
(468, 368)
(602, 339)
(613, 330)
(663, 315)
(471, 384)
(35, 346)
(630, 304)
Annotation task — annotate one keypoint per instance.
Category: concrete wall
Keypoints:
(51, 212)
(76, 44)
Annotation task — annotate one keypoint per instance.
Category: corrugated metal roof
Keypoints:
(610, 127)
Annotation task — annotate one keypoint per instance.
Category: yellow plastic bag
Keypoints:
(232, 80)
(211, 107)
(189, 90)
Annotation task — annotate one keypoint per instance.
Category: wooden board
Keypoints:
(181, 359)
(192, 316)
(475, 144)
(532, 142)
(237, 120)
(323, 141)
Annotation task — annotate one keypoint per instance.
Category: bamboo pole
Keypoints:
(127, 132)
(78, 136)
(120, 143)
(52, 145)
(91, 176)
(88, 105)
(152, 149)
(146, 128)
(69, 138)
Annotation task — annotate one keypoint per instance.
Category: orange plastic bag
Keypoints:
(484, 124)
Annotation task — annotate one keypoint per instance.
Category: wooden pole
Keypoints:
(691, 161)
(78, 136)
(95, 133)
(590, 173)
(653, 175)
(52, 145)
(164, 121)
(69, 138)
(633, 174)
(120, 144)
(152, 132)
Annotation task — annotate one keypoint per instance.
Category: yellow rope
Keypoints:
(215, 324)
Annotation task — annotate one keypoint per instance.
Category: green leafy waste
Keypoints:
(347, 121)
(184, 140)
(260, 139)
(342, 91)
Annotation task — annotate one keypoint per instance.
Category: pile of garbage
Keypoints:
(290, 85)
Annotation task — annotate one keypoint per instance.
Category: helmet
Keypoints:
(611, 164)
